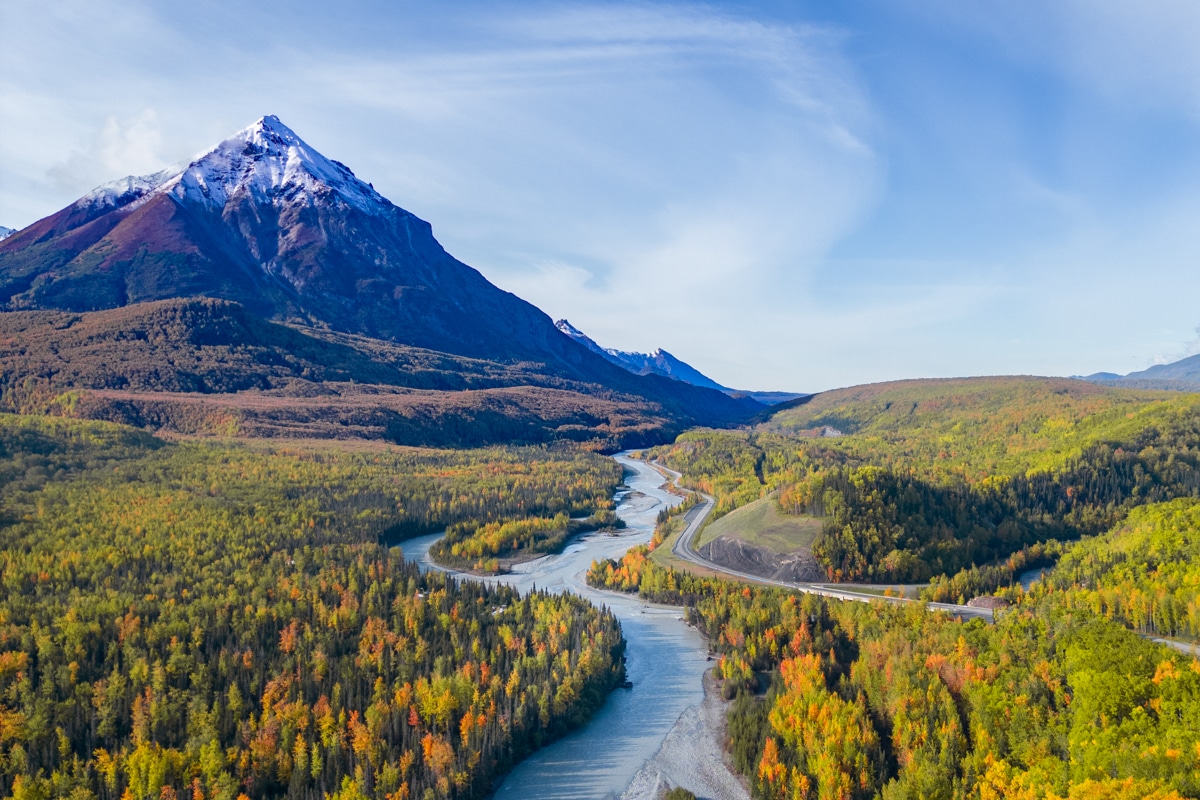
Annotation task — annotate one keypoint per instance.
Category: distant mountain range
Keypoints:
(297, 255)
(660, 362)
(1182, 375)
(6, 232)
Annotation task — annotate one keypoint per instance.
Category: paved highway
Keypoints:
(683, 548)
(1187, 648)
(695, 518)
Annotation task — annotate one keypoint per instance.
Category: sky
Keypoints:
(788, 195)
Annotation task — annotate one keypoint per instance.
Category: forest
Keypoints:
(1058, 699)
(188, 620)
(1144, 574)
(207, 367)
(482, 547)
(939, 477)
(193, 619)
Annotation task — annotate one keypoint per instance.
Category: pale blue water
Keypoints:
(1031, 576)
(665, 660)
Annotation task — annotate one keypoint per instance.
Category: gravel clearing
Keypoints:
(692, 756)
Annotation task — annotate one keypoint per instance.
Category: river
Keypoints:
(665, 659)
(1031, 576)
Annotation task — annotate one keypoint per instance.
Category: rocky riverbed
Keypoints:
(667, 729)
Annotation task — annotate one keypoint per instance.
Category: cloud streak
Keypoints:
(121, 147)
(783, 201)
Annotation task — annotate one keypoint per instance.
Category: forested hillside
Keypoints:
(199, 366)
(932, 477)
(204, 620)
(1056, 700)
(1061, 698)
(1145, 573)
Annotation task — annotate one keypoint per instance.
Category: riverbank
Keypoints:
(666, 660)
(693, 755)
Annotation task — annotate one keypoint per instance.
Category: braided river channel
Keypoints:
(665, 659)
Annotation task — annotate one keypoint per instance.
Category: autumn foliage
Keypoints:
(216, 621)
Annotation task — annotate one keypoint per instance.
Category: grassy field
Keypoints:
(761, 523)
(662, 554)
(663, 557)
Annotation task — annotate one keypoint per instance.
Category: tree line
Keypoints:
(215, 620)
(845, 700)
(896, 514)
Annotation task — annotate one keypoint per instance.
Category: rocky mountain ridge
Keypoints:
(660, 362)
(268, 232)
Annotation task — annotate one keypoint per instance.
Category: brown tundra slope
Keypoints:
(296, 276)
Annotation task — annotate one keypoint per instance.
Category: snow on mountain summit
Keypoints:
(660, 362)
(267, 160)
(573, 332)
(570, 330)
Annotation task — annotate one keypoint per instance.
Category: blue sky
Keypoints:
(788, 195)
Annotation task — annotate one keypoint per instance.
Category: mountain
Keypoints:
(1186, 370)
(660, 362)
(279, 233)
(1182, 375)
(6, 232)
(587, 341)
(265, 220)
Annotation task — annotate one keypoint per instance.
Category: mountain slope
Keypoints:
(972, 426)
(660, 362)
(582, 338)
(216, 346)
(265, 221)
(203, 366)
(1182, 375)
(1186, 370)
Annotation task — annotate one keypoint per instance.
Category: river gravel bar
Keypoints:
(692, 756)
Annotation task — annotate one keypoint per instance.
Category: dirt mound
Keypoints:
(987, 601)
(798, 567)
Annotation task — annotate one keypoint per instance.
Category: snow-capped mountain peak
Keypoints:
(587, 341)
(6, 232)
(266, 160)
(660, 362)
(575, 333)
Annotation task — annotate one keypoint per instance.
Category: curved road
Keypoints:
(1187, 648)
(601, 759)
(695, 518)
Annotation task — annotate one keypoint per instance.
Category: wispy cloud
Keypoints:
(120, 147)
(925, 189)
(625, 154)
(1189, 348)
(1139, 54)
